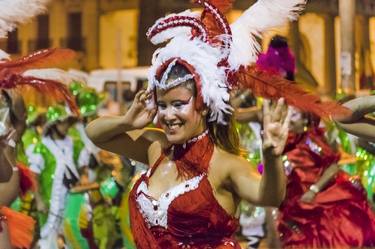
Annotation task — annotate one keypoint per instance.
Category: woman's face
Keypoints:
(297, 121)
(177, 114)
(63, 126)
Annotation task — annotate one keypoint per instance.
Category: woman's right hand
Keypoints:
(142, 111)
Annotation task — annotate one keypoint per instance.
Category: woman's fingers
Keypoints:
(143, 96)
(266, 113)
(278, 111)
(289, 113)
(138, 95)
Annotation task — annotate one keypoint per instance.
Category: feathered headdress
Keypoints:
(220, 56)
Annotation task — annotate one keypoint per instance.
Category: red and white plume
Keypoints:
(220, 56)
(31, 72)
(260, 17)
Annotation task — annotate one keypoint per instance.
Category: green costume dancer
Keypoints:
(55, 159)
(78, 204)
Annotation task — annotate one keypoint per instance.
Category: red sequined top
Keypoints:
(187, 215)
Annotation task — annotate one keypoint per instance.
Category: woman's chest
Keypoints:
(163, 178)
(164, 186)
(157, 208)
(167, 175)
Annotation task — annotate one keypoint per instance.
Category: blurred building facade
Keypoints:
(111, 34)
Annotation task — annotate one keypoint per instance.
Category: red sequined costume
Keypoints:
(187, 215)
(339, 216)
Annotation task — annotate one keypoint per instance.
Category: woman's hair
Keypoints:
(279, 41)
(179, 71)
(225, 136)
(12, 116)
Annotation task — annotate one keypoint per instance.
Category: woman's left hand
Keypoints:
(308, 196)
(275, 126)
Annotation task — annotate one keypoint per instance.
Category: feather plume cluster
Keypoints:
(31, 72)
(272, 86)
(262, 16)
(223, 56)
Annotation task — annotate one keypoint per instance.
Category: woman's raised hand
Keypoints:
(142, 111)
(276, 120)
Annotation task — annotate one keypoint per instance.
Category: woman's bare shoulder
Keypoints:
(156, 134)
(159, 143)
(226, 161)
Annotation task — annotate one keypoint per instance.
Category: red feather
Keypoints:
(223, 5)
(55, 91)
(273, 86)
(47, 58)
(10, 75)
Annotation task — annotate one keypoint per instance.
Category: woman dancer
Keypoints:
(324, 207)
(14, 120)
(196, 177)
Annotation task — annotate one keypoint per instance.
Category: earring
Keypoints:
(204, 113)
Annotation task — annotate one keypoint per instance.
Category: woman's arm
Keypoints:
(249, 114)
(359, 107)
(328, 174)
(266, 190)
(269, 190)
(124, 135)
(364, 128)
(115, 135)
(358, 124)
(85, 188)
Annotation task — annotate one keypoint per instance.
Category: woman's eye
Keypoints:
(161, 106)
(178, 105)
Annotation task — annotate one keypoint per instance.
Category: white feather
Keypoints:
(204, 58)
(169, 34)
(260, 17)
(172, 32)
(14, 12)
(52, 74)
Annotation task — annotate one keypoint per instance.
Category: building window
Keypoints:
(13, 45)
(43, 40)
(75, 40)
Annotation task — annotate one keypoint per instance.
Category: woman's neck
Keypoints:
(196, 138)
(56, 135)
